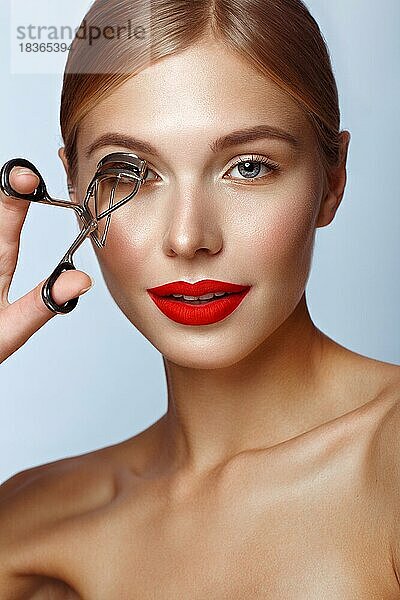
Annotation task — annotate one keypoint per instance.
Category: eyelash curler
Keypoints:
(118, 167)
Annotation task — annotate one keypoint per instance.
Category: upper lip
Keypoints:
(205, 286)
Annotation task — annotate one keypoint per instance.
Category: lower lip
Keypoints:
(198, 314)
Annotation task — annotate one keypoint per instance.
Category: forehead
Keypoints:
(205, 88)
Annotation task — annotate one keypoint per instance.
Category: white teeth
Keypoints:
(203, 297)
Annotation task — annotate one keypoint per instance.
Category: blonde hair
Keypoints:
(279, 38)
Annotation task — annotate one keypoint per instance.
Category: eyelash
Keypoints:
(256, 158)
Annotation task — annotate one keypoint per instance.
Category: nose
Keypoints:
(194, 226)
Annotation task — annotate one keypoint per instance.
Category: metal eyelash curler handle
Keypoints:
(47, 286)
(116, 165)
(38, 195)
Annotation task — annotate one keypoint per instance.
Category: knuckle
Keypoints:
(24, 305)
(4, 299)
(8, 260)
(38, 301)
(6, 345)
(14, 205)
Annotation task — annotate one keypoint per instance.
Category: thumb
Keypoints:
(21, 319)
(70, 284)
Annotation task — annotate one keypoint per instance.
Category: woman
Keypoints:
(273, 473)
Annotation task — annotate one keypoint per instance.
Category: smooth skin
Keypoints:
(275, 471)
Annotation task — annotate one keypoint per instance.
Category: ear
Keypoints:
(335, 184)
(71, 189)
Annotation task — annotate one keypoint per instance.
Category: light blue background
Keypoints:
(90, 379)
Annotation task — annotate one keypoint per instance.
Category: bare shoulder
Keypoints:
(34, 502)
(57, 489)
(45, 495)
(39, 488)
(385, 469)
(385, 449)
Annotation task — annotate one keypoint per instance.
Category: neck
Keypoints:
(280, 390)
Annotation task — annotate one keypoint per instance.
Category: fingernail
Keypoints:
(86, 289)
(23, 171)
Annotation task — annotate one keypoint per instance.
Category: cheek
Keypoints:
(290, 232)
(280, 240)
(129, 249)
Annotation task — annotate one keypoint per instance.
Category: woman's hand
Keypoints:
(21, 319)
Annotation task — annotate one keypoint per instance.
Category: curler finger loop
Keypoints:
(47, 288)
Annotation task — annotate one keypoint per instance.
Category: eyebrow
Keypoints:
(240, 136)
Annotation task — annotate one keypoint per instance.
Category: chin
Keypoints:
(190, 358)
(215, 346)
(207, 349)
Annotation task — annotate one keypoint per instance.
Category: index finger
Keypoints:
(13, 210)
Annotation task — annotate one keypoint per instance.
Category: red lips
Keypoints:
(206, 313)
(205, 286)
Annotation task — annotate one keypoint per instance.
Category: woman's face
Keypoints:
(199, 217)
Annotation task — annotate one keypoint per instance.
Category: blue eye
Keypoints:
(250, 167)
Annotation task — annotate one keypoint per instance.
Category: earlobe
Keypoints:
(335, 186)
(329, 206)
(61, 154)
